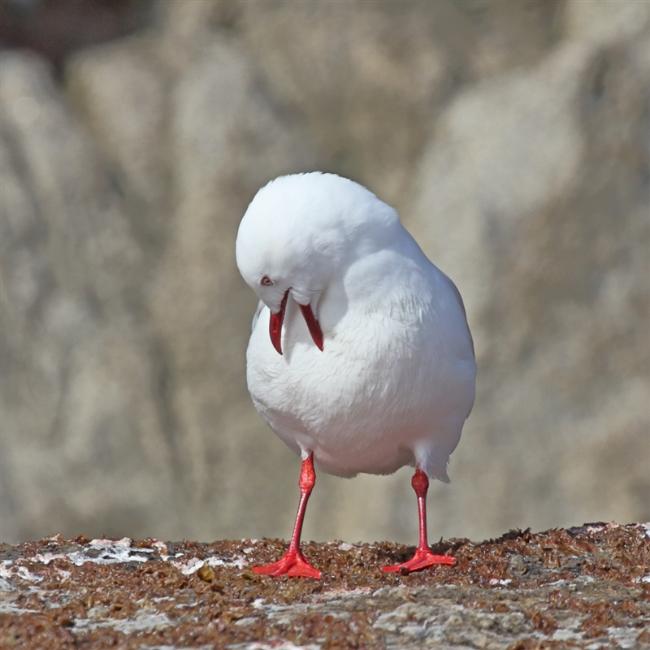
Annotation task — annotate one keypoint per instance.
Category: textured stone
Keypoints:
(366, 78)
(348, 74)
(151, 594)
(127, 114)
(606, 20)
(220, 124)
(78, 418)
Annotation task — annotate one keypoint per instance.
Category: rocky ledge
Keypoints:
(584, 587)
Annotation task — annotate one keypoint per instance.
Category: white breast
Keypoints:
(394, 383)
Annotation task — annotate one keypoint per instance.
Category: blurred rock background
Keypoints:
(512, 135)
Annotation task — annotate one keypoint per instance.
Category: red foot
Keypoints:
(292, 564)
(422, 559)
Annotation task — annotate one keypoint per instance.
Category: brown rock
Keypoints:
(66, 594)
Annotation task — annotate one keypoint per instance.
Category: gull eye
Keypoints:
(266, 281)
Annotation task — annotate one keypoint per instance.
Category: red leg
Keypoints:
(423, 557)
(293, 562)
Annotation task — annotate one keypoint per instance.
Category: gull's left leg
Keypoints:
(423, 557)
(293, 562)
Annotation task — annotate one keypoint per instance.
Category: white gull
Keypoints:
(360, 357)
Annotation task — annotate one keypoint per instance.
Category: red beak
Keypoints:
(312, 325)
(275, 324)
(276, 320)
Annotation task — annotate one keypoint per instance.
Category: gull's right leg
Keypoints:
(293, 562)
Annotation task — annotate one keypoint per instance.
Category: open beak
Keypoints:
(275, 325)
(312, 325)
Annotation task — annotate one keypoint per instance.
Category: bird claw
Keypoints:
(291, 564)
(422, 559)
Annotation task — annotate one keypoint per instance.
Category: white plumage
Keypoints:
(395, 380)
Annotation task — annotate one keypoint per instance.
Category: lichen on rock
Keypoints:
(583, 587)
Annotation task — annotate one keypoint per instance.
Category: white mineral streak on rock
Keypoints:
(624, 637)
(342, 594)
(107, 551)
(24, 573)
(595, 528)
(46, 558)
(10, 569)
(64, 574)
(144, 620)
(175, 647)
(238, 562)
(100, 551)
(5, 571)
(193, 564)
(566, 635)
(188, 567)
(286, 645)
(10, 608)
(162, 549)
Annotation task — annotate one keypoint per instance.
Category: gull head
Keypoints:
(299, 233)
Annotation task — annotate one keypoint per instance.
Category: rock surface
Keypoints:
(585, 587)
(511, 136)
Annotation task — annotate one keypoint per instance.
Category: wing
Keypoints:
(461, 304)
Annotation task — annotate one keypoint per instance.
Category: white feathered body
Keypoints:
(395, 381)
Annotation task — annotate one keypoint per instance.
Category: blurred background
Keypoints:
(512, 135)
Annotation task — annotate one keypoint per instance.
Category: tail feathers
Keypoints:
(432, 461)
(439, 473)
